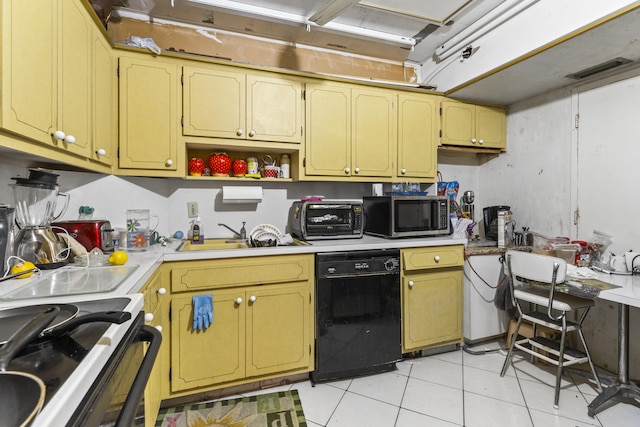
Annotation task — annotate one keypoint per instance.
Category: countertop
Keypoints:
(148, 261)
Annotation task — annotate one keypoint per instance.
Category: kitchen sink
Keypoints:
(224, 244)
(214, 244)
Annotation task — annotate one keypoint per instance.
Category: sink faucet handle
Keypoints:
(243, 231)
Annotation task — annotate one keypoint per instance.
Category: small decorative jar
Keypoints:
(239, 167)
(220, 164)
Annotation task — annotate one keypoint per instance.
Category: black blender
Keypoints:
(36, 198)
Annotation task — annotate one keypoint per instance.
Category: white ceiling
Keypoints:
(402, 30)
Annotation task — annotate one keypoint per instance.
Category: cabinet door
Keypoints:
(328, 130)
(153, 390)
(431, 309)
(211, 356)
(105, 101)
(278, 338)
(274, 109)
(458, 123)
(491, 127)
(75, 67)
(374, 127)
(418, 125)
(148, 114)
(29, 68)
(214, 103)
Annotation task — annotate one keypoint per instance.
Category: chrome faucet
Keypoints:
(242, 234)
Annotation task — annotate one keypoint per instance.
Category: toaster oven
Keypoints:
(326, 219)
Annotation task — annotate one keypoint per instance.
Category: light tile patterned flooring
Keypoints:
(458, 389)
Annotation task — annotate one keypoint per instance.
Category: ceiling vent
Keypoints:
(605, 66)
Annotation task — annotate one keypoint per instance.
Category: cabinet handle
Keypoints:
(162, 291)
(59, 135)
(357, 170)
(169, 162)
(410, 283)
(436, 258)
(253, 298)
(159, 328)
(239, 132)
(238, 300)
(347, 170)
(473, 140)
(148, 317)
(70, 139)
(403, 171)
(481, 141)
(101, 151)
(252, 133)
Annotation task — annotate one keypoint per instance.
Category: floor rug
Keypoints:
(281, 409)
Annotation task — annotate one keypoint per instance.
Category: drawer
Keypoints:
(432, 257)
(153, 291)
(224, 273)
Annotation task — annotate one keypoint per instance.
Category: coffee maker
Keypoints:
(36, 198)
(490, 215)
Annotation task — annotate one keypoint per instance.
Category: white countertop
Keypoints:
(628, 293)
(148, 261)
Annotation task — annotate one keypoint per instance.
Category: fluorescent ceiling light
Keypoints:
(274, 15)
(333, 9)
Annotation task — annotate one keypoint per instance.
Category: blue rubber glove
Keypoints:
(202, 312)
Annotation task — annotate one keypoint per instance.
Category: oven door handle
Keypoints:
(130, 408)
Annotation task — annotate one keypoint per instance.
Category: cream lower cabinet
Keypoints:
(155, 295)
(432, 297)
(262, 321)
(470, 125)
(350, 131)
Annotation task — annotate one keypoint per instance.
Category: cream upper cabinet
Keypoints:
(47, 63)
(350, 131)
(418, 127)
(105, 101)
(432, 297)
(472, 125)
(220, 102)
(29, 68)
(75, 37)
(149, 115)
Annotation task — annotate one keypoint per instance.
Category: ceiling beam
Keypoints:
(331, 11)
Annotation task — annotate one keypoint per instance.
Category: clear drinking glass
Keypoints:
(139, 229)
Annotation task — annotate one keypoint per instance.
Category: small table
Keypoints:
(627, 295)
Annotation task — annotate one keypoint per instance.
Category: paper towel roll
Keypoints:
(241, 194)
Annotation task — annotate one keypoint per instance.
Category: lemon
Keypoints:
(118, 258)
(23, 266)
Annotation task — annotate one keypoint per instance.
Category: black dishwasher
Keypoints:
(357, 313)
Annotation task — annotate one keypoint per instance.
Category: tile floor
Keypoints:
(458, 389)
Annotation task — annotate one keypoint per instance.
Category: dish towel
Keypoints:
(202, 312)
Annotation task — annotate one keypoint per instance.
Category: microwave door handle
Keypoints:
(130, 407)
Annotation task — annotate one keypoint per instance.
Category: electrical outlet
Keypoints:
(192, 209)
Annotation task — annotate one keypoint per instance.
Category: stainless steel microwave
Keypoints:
(406, 216)
(326, 219)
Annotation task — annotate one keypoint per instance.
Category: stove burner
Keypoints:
(54, 360)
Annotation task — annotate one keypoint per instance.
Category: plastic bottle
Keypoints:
(284, 166)
(197, 237)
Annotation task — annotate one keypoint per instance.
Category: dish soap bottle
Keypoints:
(197, 237)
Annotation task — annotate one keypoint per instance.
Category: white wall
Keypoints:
(111, 196)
